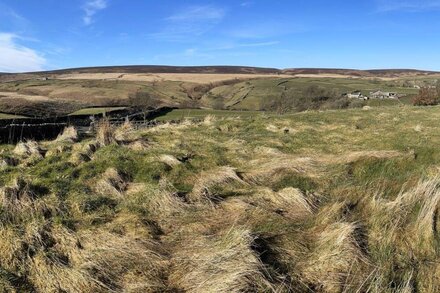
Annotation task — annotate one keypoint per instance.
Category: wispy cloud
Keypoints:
(198, 13)
(11, 20)
(17, 58)
(246, 3)
(232, 46)
(190, 22)
(92, 7)
(407, 5)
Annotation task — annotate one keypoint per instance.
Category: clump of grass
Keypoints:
(28, 149)
(93, 261)
(105, 133)
(7, 161)
(161, 203)
(83, 153)
(57, 150)
(69, 135)
(123, 263)
(169, 160)
(359, 155)
(206, 180)
(336, 258)
(112, 183)
(139, 145)
(413, 212)
(19, 199)
(271, 170)
(289, 202)
(209, 120)
(222, 263)
(126, 133)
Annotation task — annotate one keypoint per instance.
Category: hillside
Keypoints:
(234, 88)
(337, 201)
(239, 70)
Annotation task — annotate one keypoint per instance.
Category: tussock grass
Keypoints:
(112, 183)
(332, 208)
(358, 155)
(222, 263)
(336, 258)
(169, 160)
(7, 161)
(413, 212)
(28, 149)
(289, 202)
(138, 145)
(20, 200)
(57, 150)
(69, 135)
(271, 170)
(207, 180)
(209, 120)
(126, 133)
(105, 133)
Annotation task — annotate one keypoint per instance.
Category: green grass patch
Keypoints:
(96, 111)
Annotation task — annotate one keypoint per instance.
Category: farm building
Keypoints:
(383, 95)
(356, 95)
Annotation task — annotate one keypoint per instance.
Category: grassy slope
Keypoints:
(213, 228)
(252, 94)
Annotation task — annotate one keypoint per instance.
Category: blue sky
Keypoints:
(51, 34)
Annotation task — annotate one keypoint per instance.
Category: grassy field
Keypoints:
(334, 201)
(96, 110)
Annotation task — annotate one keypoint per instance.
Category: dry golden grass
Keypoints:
(289, 202)
(222, 263)
(267, 170)
(69, 135)
(112, 183)
(209, 179)
(331, 208)
(105, 133)
(28, 149)
(125, 133)
(14, 95)
(169, 160)
(156, 77)
(336, 258)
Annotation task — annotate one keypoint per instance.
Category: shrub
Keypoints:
(427, 97)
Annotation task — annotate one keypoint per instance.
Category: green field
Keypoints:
(96, 111)
(10, 116)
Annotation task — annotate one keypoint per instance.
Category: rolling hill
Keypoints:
(59, 92)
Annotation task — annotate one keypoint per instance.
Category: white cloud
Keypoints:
(91, 8)
(407, 5)
(17, 58)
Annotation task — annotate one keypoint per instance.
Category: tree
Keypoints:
(218, 103)
(143, 100)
